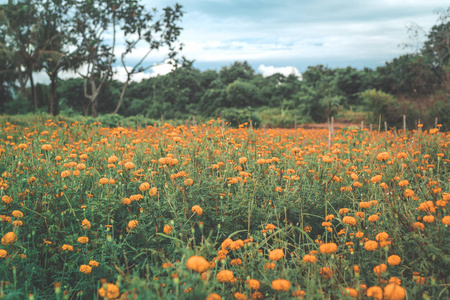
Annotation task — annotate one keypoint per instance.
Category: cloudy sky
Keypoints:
(291, 35)
(287, 36)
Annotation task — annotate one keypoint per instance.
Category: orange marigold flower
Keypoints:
(393, 291)
(309, 258)
(402, 155)
(144, 186)
(253, 284)
(188, 181)
(9, 238)
(360, 214)
(109, 291)
(394, 260)
(112, 159)
(298, 294)
(328, 248)
(383, 185)
(269, 265)
(375, 292)
(17, 214)
(350, 292)
(329, 218)
(371, 245)
(86, 269)
(419, 225)
(214, 296)
(225, 276)
(326, 272)
(276, 254)
(242, 160)
(237, 244)
(408, 193)
(382, 236)
(6, 199)
(86, 224)
(395, 280)
(383, 156)
(197, 210)
(3, 253)
(427, 206)
(403, 182)
(373, 218)
(281, 285)
(364, 204)
(83, 240)
(65, 173)
(236, 261)
(133, 224)
(197, 264)
(343, 211)
(428, 219)
(103, 180)
(270, 226)
(240, 296)
(168, 229)
(153, 191)
(376, 178)
(93, 263)
(446, 220)
(129, 165)
(46, 147)
(349, 220)
(226, 243)
(67, 247)
(380, 269)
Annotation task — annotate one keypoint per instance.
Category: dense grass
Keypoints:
(166, 210)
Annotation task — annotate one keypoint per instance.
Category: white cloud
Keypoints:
(119, 74)
(286, 71)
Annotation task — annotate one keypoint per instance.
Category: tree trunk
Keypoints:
(121, 98)
(22, 83)
(85, 108)
(33, 90)
(52, 107)
(94, 108)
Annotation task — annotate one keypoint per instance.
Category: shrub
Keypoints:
(235, 116)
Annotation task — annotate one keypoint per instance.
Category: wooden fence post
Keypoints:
(332, 125)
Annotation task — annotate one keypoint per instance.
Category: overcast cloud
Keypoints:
(288, 36)
(281, 35)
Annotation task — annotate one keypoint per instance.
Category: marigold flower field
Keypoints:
(211, 212)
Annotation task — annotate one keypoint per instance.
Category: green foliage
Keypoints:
(441, 110)
(241, 94)
(279, 118)
(235, 116)
(19, 105)
(384, 105)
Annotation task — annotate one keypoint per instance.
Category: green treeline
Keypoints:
(416, 85)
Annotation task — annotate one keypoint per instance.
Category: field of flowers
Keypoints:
(211, 212)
